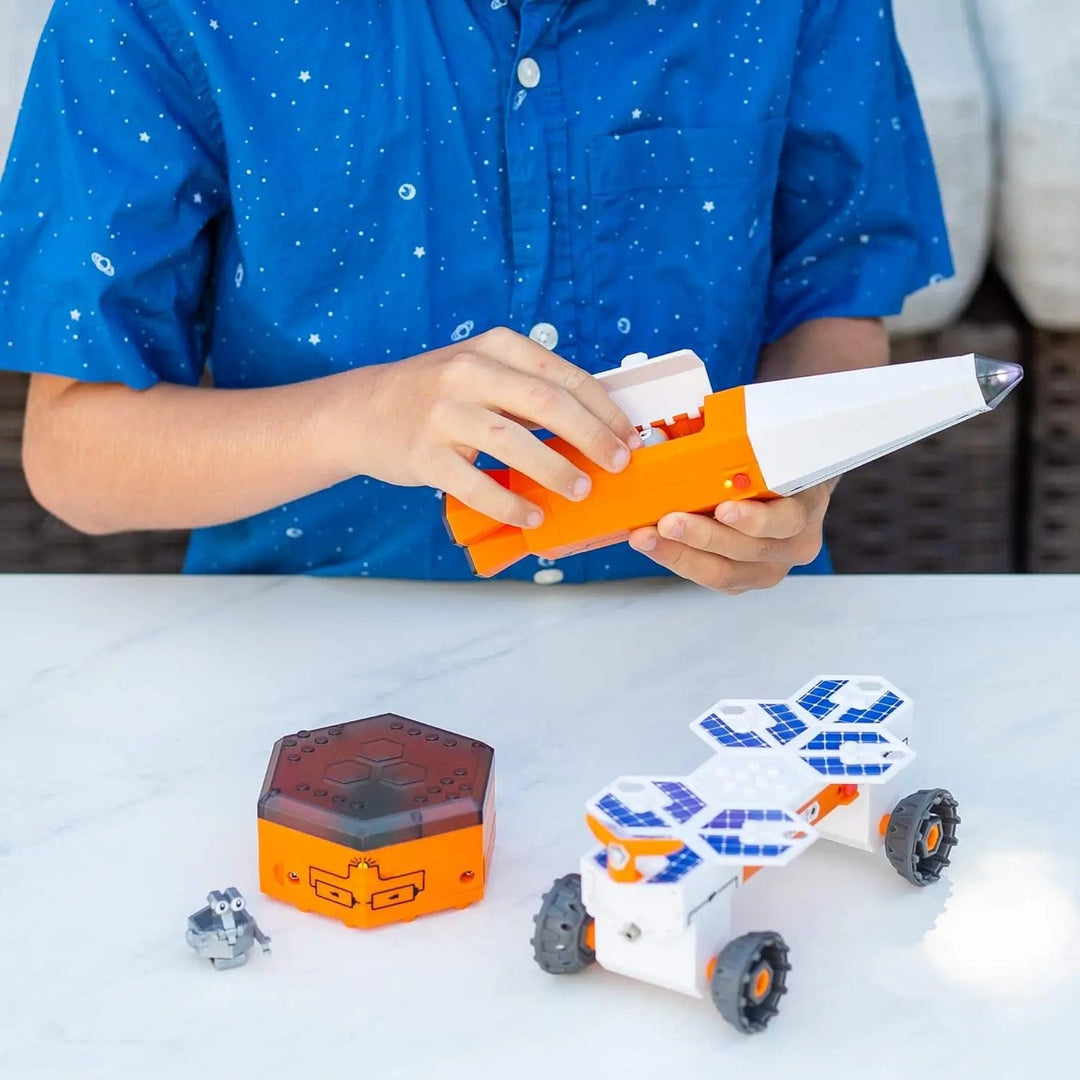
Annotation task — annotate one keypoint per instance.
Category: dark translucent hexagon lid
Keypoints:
(377, 781)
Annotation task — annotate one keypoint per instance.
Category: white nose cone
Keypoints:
(808, 430)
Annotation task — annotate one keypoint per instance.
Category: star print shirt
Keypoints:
(283, 193)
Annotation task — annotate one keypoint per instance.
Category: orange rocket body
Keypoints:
(704, 461)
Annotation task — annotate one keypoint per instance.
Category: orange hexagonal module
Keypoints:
(377, 820)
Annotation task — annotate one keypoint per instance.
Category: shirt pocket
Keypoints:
(681, 224)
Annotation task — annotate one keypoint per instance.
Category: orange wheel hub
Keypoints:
(761, 982)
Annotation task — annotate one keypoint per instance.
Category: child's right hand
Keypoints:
(429, 417)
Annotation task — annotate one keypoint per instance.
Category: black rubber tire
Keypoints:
(736, 966)
(561, 925)
(905, 835)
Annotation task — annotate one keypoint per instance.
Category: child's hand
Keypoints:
(753, 548)
(434, 413)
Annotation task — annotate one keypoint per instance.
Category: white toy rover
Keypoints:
(654, 901)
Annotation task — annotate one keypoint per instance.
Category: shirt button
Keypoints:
(550, 576)
(528, 73)
(543, 333)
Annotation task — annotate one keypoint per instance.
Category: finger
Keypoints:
(779, 519)
(699, 531)
(707, 534)
(526, 355)
(505, 439)
(702, 567)
(539, 401)
(480, 492)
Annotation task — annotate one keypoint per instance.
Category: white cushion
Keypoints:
(939, 42)
(1033, 48)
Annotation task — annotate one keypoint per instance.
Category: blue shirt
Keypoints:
(287, 190)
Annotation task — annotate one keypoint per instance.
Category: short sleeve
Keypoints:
(858, 222)
(108, 201)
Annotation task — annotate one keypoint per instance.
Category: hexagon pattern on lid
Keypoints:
(376, 781)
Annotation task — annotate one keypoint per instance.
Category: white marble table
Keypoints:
(137, 716)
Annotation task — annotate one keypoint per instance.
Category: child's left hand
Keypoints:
(744, 545)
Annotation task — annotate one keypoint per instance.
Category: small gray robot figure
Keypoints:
(223, 931)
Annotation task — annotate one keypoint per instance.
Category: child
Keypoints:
(278, 277)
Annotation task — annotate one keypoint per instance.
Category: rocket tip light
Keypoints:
(996, 379)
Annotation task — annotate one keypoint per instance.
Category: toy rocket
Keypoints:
(758, 441)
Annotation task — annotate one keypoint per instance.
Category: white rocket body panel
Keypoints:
(654, 390)
(809, 429)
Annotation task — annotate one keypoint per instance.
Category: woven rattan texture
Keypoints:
(1053, 463)
(946, 504)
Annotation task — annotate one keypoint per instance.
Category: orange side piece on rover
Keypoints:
(377, 820)
(704, 462)
(624, 851)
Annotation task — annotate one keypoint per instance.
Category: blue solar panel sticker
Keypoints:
(885, 706)
(736, 819)
(732, 845)
(787, 726)
(817, 700)
(684, 803)
(622, 815)
(821, 753)
(678, 866)
(726, 735)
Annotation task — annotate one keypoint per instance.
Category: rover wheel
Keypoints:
(749, 979)
(563, 926)
(920, 835)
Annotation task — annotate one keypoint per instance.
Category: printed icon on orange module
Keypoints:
(377, 820)
(757, 441)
